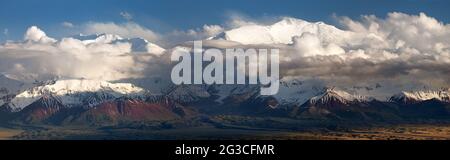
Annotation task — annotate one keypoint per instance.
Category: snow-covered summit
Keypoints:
(332, 95)
(187, 93)
(281, 32)
(98, 38)
(76, 92)
(297, 92)
(9, 84)
(8, 87)
(137, 44)
(417, 96)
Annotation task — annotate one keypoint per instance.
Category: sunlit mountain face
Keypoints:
(357, 72)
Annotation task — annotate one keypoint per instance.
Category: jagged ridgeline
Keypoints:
(81, 101)
(66, 100)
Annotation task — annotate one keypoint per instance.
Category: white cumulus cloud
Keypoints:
(67, 24)
(400, 50)
(37, 35)
(126, 15)
(40, 55)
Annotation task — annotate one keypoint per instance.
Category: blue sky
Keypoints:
(167, 15)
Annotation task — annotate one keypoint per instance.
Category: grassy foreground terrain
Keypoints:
(402, 132)
(7, 133)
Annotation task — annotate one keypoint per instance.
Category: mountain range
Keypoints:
(65, 100)
(98, 102)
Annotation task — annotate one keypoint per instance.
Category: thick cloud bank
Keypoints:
(40, 56)
(400, 51)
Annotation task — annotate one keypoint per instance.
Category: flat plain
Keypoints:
(400, 132)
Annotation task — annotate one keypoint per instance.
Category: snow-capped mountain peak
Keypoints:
(331, 95)
(142, 45)
(187, 93)
(8, 84)
(417, 96)
(137, 44)
(98, 38)
(9, 87)
(281, 32)
(77, 92)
